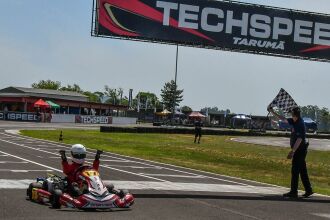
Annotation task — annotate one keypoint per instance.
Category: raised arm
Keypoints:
(96, 162)
(65, 165)
(279, 117)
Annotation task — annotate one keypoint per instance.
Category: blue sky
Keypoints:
(42, 39)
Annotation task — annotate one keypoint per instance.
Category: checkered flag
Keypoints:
(283, 101)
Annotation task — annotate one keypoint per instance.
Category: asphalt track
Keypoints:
(162, 191)
(314, 144)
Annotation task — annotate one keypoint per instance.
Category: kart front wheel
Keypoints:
(55, 199)
(122, 193)
(109, 187)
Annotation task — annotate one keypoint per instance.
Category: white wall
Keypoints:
(63, 118)
(67, 118)
(123, 120)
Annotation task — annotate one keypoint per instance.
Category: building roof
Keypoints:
(43, 93)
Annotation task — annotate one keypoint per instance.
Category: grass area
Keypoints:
(215, 154)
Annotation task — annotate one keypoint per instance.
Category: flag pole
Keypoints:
(175, 78)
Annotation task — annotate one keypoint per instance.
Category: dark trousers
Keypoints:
(299, 168)
(198, 133)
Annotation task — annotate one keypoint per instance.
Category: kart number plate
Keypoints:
(34, 194)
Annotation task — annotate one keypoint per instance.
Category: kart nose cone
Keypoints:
(129, 199)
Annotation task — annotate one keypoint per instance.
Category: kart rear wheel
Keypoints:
(55, 199)
(31, 186)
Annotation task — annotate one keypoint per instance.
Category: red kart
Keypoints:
(89, 192)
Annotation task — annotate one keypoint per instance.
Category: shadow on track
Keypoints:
(66, 209)
(230, 197)
(91, 210)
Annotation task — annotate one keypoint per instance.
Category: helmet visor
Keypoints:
(79, 156)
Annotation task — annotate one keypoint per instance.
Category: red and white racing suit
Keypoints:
(69, 169)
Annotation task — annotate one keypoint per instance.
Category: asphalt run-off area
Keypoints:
(162, 191)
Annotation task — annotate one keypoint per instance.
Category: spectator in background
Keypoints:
(93, 112)
(5, 112)
(49, 116)
(198, 130)
(38, 115)
(43, 117)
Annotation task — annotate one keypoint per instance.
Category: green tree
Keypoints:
(100, 95)
(72, 88)
(171, 95)
(320, 115)
(186, 109)
(120, 92)
(124, 101)
(324, 119)
(310, 111)
(215, 110)
(113, 95)
(92, 96)
(47, 84)
(148, 100)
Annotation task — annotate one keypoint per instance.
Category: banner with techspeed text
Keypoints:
(221, 25)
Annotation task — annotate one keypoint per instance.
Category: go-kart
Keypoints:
(88, 192)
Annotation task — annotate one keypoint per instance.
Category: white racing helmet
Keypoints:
(78, 153)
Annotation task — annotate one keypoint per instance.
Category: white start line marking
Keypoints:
(324, 215)
(168, 186)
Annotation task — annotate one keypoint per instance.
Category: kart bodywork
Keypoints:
(89, 192)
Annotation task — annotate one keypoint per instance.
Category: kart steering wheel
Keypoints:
(80, 169)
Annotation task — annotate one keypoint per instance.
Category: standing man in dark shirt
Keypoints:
(38, 115)
(198, 130)
(297, 154)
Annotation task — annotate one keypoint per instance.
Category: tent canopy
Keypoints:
(164, 112)
(41, 104)
(242, 117)
(178, 113)
(52, 104)
(196, 115)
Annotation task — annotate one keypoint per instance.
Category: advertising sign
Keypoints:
(224, 25)
(21, 116)
(89, 119)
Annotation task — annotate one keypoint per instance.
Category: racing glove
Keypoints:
(63, 156)
(98, 154)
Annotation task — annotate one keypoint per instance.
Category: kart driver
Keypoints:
(78, 153)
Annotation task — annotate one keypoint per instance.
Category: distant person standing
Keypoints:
(297, 154)
(38, 115)
(5, 112)
(49, 116)
(198, 130)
